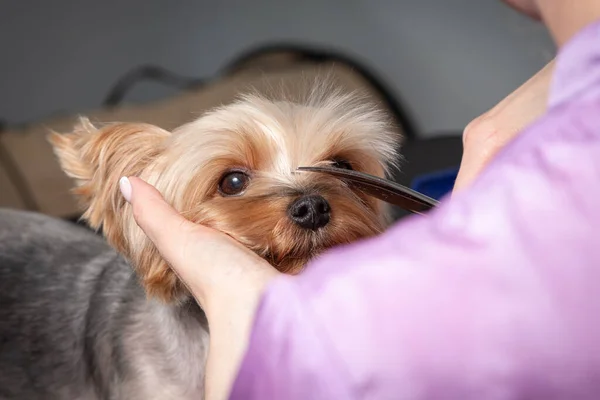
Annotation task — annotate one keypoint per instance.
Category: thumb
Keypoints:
(478, 151)
(190, 247)
(166, 228)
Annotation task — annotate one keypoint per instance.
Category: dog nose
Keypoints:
(310, 212)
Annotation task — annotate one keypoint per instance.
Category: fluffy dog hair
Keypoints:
(78, 322)
(266, 138)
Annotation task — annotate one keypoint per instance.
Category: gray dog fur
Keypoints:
(75, 323)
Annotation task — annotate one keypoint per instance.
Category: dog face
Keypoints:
(233, 169)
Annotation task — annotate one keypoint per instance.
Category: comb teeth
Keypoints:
(382, 189)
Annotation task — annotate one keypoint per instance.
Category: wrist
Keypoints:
(236, 288)
(230, 312)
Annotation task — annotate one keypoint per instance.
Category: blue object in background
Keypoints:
(436, 184)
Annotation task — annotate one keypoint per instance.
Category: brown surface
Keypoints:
(28, 150)
(9, 194)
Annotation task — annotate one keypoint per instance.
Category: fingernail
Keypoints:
(125, 187)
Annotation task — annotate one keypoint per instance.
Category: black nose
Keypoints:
(310, 212)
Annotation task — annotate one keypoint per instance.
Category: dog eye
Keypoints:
(233, 183)
(342, 164)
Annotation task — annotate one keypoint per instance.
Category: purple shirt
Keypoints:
(494, 295)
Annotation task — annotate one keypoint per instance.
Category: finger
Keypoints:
(160, 222)
(475, 158)
(489, 133)
(464, 176)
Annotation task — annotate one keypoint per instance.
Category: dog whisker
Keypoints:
(231, 169)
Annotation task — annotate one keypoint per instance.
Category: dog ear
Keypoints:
(96, 158)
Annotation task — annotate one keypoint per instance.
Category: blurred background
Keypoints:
(443, 61)
(449, 60)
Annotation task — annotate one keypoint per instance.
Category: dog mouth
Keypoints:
(290, 264)
(291, 245)
(292, 254)
(289, 229)
(301, 246)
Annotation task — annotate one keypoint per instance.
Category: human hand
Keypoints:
(490, 132)
(225, 277)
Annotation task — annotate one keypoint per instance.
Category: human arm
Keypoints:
(492, 295)
(487, 296)
(517, 293)
(491, 131)
(225, 278)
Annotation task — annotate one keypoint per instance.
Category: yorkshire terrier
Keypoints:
(76, 323)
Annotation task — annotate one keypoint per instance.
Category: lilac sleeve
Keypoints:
(492, 296)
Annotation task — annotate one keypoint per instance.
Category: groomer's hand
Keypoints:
(226, 278)
(490, 132)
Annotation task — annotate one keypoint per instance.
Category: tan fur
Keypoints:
(267, 137)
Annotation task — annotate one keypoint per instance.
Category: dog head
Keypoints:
(233, 169)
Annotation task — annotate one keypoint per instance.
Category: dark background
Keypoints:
(449, 60)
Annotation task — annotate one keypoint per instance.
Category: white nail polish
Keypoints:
(125, 187)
